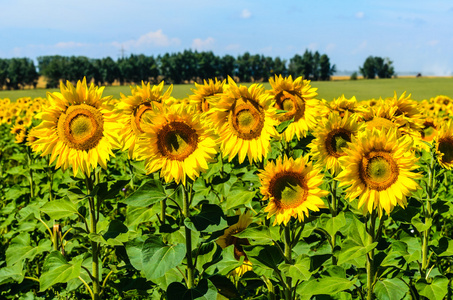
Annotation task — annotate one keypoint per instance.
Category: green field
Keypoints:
(420, 88)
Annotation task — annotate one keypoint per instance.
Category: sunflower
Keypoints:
(176, 142)
(79, 129)
(135, 107)
(444, 145)
(331, 137)
(379, 168)
(297, 98)
(244, 119)
(292, 187)
(228, 239)
(203, 91)
(342, 105)
(407, 113)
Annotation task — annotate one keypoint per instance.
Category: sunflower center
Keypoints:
(378, 170)
(177, 140)
(247, 119)
(139, 112)
(81, 127)
(336, 140)
(446, 148)
(288, 189)
(292, 103)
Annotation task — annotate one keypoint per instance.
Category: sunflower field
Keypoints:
(234, 192)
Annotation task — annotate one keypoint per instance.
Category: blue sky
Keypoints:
(416, 35)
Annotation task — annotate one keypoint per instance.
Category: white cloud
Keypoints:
(362, 46)
(313, 46)
(233, 47)
(246, 14)
(433, 42)
(70, 45)
(360, 15)
(152, 38)
(200, 45)
(330, 47)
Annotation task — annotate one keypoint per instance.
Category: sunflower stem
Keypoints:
(288, 251)
(370, 256)
(94, 245)
(162, 211)
(188, 234)
(428, 216)
(30, 170)
(333, 211)
(50, 175)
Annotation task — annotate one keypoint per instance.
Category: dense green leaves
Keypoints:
(158, 258)
(390, 289)
(58, 270)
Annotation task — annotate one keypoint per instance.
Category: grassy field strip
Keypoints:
(420, 88)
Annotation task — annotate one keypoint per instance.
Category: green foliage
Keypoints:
(377, 66)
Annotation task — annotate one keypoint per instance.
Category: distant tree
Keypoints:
(17, 73)
(3, 72)
(279, 67)
(375, 65)
(325, 69)
(244, 72)
(384, 68)
(52, 67)
(227, 66)
(296, 66)
(315, 66)
(307, 64)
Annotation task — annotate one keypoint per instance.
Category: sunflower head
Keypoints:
(292, 188)
(341, 105)
(244, 120)
(378, 170)
(135, 108)
(297, 99)
(444, 145)
(331, 137)
(203, 91)
(177, 142)
(79, 129)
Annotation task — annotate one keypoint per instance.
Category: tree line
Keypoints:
(182, 67)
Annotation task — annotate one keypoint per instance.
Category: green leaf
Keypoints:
(205, 255)
(115, 229)
(59, 209)
(74, 194)
(356, 245)
(435, 290)
(239, 197)
(58, 270)
(205, 290)
(334, 224)
(267, 256)
(18, 170)
(105, 193)
(210, 219)
(21, 249)
(299, 270)
(14, 273)
(419, 225)
(445, 247)
(260, 234)
(324, 286)
(390, 289)
(227, 264)
(158, 258)
(16, 192)
(136, 215)
(149, 193)
(351, 249)
(283, 125)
